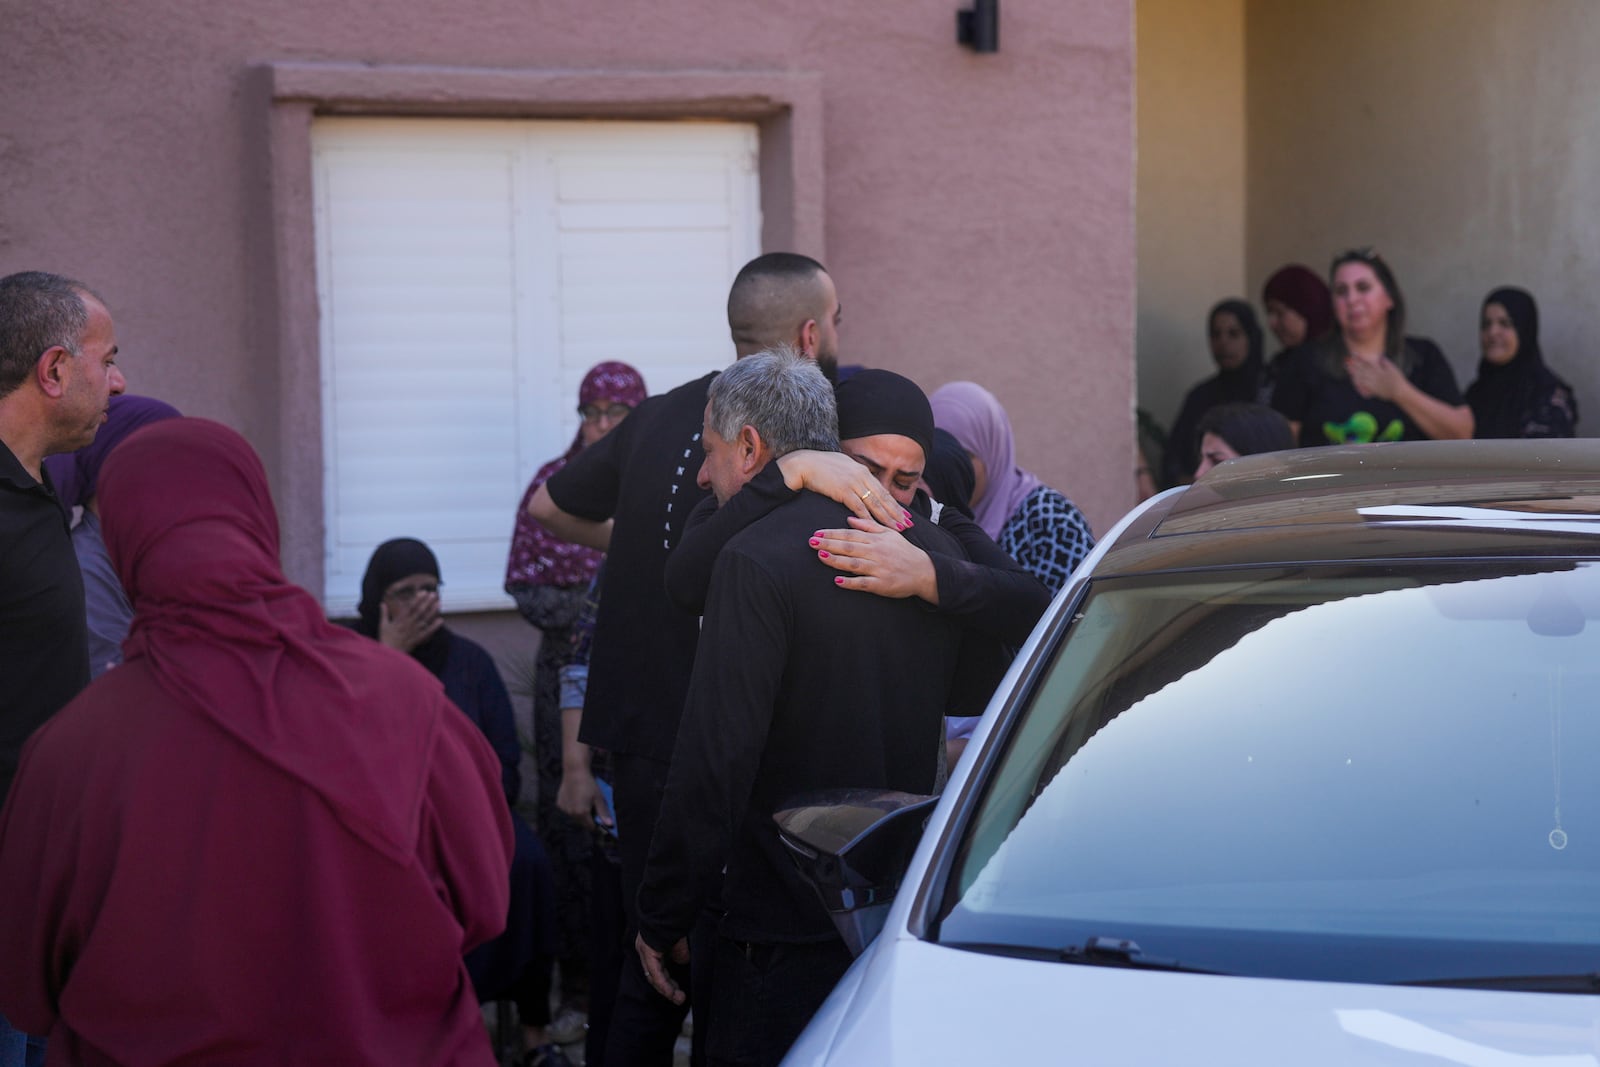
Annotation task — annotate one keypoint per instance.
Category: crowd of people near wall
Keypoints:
(1347, 372)
(304, 837)
(262, 836)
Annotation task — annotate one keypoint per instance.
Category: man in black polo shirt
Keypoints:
(58, 372)
(629, 494)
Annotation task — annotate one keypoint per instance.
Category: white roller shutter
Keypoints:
(470, 273)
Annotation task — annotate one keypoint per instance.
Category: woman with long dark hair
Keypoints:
(1368, 381)
(1516, 394)
(1234, 430)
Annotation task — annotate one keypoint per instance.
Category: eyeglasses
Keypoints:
(610, 413)
(407, 593)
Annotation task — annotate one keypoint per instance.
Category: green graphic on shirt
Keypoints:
(1362, 429)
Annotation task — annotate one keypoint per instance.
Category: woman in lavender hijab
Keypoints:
(1037, 526)
(76, 476)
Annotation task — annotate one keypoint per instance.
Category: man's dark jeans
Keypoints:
(644, 1025)
(764, 994)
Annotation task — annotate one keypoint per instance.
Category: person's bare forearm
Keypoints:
(574, 753)
(1439, 420)
(578, 796)
(566, 525)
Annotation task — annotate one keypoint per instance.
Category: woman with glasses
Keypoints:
(1368, 381)
(1516, 394)
(548, 578)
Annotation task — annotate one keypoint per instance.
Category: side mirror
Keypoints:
(853, 846)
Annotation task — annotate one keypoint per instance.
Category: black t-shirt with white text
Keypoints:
(642, 475)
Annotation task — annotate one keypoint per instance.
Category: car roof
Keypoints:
(1413, 501)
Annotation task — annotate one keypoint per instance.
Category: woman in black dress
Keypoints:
(1368, 381)
(1236, 346)
(1516, 394)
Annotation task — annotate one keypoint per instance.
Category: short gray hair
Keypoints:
(38, 311)
(783, 395)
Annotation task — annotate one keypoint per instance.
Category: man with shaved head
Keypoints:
(784, 298)
(629, 494)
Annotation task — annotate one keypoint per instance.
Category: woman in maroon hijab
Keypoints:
(264, 838)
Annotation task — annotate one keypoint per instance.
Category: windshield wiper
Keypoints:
(1533, 983)
(1095, 952)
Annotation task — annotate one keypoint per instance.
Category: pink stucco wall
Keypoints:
(976, 211)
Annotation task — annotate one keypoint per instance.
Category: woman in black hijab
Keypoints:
(1235, 339)
(400, 608)
(1516, 395)
(949, 475)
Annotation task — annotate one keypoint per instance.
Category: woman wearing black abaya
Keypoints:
(1516, 395)
(400, 608)
(1235, 339)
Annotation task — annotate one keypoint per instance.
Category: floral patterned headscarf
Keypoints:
(537, 556)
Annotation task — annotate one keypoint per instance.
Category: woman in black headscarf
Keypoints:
(1516, 395)
(400, 608)
(1235, 339)
(949, 476)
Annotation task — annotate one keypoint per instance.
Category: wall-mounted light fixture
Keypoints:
(978, 27)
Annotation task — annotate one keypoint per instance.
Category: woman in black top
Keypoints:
(1299, 308)
(1235, 339)
(1368, 381)
(1516, 395)
(1299, 312)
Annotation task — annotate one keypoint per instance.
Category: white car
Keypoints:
(1302, 768)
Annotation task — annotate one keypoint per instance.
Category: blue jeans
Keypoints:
(18, 1049)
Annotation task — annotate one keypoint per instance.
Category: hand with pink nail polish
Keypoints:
(877, 559)
(838, 477)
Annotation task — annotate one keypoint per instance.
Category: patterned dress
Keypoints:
(1048, 535)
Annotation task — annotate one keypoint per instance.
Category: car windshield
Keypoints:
(1353, 773)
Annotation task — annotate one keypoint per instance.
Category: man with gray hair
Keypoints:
(58, 373)
(763, 407)
(794, 688)
(629, 494)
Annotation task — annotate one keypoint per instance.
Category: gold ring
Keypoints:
(866, 494)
